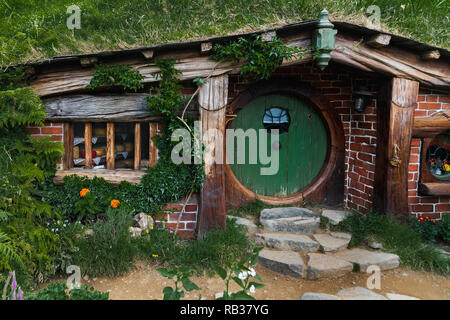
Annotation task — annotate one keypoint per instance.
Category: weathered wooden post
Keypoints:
(213, 100)
(396, 104)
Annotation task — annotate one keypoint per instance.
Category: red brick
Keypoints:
(186, 234)
(190, 208)
(413, 200)
(420, 98)
(413, 158)
(57, 138)
(432, 98)
(432, 105)
(51, 130)
(422, 208)
(365, 157)
(420, 113)
(430, 215)
(33, 130)
(415, 143)
(443, 207)
(444, 99)
(413, 167)
(191, 225)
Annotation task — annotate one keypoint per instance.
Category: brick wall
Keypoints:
(336, 84)
(428, 103)
(188, 222)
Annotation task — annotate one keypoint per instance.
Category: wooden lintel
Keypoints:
(148, 54)
(213, 99)
(110, 146)
(379, 40)
(137, 146)
(431, 126)
(267, 36)
(88, 62)
(395, 120)
(206, 47)
(88, 144)
(431, 55)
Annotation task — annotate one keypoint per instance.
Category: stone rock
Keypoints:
(323, 266)
(359, 293)
(329, 243)
(285, 262)
(89, 233)
(395, 296)
(375, 245)
(218, 295)
(287, 241)
(244, 222)
(135, 231)
(341, 235)
(289, 219)
(143, 220)
(318, 296)
(367, 258)
(335, 216)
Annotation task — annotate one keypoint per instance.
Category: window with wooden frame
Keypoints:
(110, 145)
(435, 165)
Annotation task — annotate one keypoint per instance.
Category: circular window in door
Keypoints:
(438, 156)
(298, 152)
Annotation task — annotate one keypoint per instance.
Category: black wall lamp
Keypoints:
(362, 98)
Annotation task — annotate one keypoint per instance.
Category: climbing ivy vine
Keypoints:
(121, 75)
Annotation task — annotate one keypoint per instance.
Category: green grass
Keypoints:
(111, 251)
(251, 209)
(35, 29)
(397, 238)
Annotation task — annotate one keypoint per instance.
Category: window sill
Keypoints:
(434, 188)
(112, 176)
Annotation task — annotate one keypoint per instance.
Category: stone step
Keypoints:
(335, 216)
(288, 263)
(289, 219)
(244, 222)
(324, 266)
(359, 293)
(330, 243)
(287, 241)
(365, 258)
(318, 296)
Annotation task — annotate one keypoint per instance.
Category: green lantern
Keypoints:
(323, 39)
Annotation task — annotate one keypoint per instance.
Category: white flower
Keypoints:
(402, 6)
(252, 289)
(242, 275)
(252, 272)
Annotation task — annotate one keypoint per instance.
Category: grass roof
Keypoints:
(32, 30)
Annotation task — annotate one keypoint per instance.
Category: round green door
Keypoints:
(302, 146)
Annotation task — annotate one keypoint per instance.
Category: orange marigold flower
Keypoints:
(84, 191)
(115, 203)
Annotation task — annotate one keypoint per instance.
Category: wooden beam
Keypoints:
(396, 104)
(137, 146)
(431, 126)
(213, 99)
(110, 146)
(152, 147)
(88, 144)
(379, 40)
(391, 61)
(113, 176)
(431, 55)
(88, 62)
(206, 47)
(68, 146)
(117, 107)
(148, 54)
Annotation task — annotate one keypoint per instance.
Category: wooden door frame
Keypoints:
(323, 188)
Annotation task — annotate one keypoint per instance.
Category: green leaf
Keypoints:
(241, 295)
(239, 282)
(219, 270)
(189, 285)
(166, 273)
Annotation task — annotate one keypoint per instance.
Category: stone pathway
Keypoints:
(295, 246)
(355, 293)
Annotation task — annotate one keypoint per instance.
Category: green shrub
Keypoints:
(397, 238)
(60, 291)
(122, 75)
(252, 209)
(444, 229)
(110, 250)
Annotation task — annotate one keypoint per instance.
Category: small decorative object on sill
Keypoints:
(128, 146)
(83, 154)
(99, 132)
(438, 156)
(100, 151)
(76, 152)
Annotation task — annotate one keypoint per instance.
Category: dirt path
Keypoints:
(145, 283)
